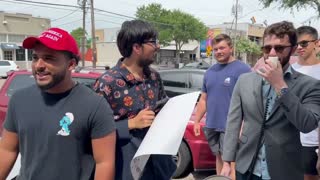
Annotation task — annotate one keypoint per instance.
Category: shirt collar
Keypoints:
(127, 75)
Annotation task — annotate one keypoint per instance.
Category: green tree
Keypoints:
(244, 45)
(173, 25)
(294, 3)
(77, 35)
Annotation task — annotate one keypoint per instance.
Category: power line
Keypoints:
(73, 6)
(12, 1)
(69, 22)
(65, 15)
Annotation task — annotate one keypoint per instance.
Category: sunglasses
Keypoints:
(305, 43)
(153, 42)
(277, 48)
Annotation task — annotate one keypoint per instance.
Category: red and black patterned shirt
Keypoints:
(127, 95)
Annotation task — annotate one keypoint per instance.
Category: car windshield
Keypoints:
(25, 80)
(200, 65)
(19, 82)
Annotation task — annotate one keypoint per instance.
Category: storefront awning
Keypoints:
(9, 46)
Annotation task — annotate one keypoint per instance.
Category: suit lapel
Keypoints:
(257, 91)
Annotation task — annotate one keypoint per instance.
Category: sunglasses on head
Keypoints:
(305, 43)
(278, 48)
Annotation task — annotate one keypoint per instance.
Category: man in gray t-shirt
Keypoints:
(62, 129)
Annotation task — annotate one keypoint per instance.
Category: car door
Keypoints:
(175, 82)
(195, 81)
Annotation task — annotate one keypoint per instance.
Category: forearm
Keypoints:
(201, 110)
(104, 171)
(7, 160)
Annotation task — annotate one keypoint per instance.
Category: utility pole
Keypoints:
(235, 29)
(94, 48)
(83, 38)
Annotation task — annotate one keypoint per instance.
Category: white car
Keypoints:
(6, 66)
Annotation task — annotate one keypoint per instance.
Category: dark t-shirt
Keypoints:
(55, 131)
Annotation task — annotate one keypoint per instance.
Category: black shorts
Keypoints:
(310, 158)
(215, 140)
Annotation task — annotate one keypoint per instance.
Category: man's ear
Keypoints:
(293, 49)
(72, 64)
(317, 47)
(137, 48)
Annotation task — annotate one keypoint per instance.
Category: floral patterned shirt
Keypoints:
(127, 95)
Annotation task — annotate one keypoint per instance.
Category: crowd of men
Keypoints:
(261, 122)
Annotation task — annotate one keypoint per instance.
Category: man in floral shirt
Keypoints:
(132, 89)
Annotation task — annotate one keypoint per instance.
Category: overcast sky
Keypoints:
(210, 12)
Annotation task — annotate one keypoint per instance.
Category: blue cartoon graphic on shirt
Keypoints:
(65, 122)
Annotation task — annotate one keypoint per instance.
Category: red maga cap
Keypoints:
(54, 38)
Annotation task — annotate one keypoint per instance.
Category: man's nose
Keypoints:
(40, 63)
(273, 52)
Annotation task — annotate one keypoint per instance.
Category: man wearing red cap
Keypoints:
(62, 129)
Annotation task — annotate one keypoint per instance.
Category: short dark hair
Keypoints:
(307, 30)
(131, 32)
(222, 37)
(281, 29)
(70, 55)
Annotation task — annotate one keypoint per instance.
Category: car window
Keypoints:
(18, 82)
(175, 79)
(4, 63)
(196, 80)
(24, 80)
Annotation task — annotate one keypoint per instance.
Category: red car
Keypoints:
(23, 78)
(194, 153)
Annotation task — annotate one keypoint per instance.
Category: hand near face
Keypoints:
(272, 73)
(258, 64)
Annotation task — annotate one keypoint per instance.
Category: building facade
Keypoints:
(14, 28)
(253, 32)
(106, 43)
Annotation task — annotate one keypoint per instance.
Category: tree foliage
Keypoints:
(294, 3)
(77, 35)
(244, 45)
(173, 25)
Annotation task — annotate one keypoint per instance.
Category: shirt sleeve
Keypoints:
(10, 123)
(102, 122)
(204, 87)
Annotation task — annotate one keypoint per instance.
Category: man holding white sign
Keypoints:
(133, 89)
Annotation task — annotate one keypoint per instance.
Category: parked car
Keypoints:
(197, 65)
(23, 78)
(194, 153)
(6, 66)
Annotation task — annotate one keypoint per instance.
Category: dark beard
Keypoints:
(145, 62)
(285, 61)
(56, 79)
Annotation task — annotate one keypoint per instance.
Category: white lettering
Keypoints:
(55, 33)
(54, 38)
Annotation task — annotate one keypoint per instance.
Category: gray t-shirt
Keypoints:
(55, 131)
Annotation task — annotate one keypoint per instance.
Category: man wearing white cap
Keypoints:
(62, 129)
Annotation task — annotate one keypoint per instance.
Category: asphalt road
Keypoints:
(192, 176)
